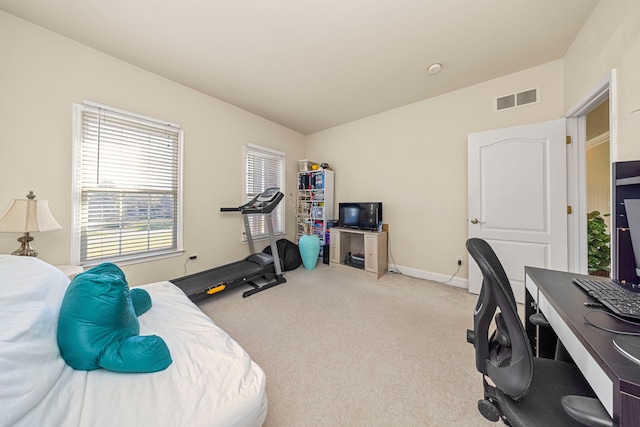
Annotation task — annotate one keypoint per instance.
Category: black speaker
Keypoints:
(325, 254)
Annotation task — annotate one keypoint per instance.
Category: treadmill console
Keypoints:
(264, 202)
(268, 194)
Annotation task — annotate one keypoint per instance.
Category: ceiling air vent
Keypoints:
(517, 99)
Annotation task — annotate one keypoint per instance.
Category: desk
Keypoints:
(614, 378)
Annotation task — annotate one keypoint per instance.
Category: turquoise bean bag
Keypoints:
(98, 325)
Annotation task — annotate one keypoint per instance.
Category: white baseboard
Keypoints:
(427, 275)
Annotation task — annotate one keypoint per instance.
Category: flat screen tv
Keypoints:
(363, 216)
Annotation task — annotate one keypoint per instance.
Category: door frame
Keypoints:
(577, 165)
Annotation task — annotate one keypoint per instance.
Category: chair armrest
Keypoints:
(586, 410)
(538, 319)
(561, 354)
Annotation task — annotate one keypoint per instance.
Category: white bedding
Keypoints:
(211, 382)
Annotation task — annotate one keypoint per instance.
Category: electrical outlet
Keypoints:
(193, 258)
(459, 260)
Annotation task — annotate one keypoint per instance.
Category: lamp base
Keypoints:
(25, 249)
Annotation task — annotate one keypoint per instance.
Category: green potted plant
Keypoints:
(598, 242)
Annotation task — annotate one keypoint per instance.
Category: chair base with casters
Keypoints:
(519, 389)
(534, 409)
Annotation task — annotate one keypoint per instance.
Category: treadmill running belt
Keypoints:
(198, 283)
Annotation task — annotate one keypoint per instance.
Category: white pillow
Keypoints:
(31, 292)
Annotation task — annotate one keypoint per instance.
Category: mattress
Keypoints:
(211, 382)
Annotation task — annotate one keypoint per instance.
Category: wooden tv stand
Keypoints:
(371, 245)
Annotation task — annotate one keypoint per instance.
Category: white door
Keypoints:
(518, 198)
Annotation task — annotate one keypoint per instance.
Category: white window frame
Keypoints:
(258, 226)
(77, 258)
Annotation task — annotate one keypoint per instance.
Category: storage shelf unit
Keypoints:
(315, 192)
(371, 245)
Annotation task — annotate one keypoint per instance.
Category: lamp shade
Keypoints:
(27, 215)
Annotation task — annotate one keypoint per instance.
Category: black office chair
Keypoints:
(527, 391)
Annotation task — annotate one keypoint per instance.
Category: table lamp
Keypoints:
(25, 216)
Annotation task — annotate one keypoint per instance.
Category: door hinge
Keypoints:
(568, 139)
(569, 210)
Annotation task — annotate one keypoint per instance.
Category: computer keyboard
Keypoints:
(619, 300)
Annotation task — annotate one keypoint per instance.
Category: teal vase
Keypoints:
(309, 246)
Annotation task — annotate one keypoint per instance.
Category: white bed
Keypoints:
(211, 382)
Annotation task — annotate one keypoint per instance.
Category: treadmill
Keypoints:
(256, 266)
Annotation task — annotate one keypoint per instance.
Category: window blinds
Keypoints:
(264, 169)
(129, 184)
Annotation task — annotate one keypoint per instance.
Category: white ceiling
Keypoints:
(314, 64)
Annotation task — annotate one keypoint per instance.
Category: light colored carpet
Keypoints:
(340, 349)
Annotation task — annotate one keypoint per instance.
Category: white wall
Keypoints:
(43, 74)
(414, 160)
(610, 39)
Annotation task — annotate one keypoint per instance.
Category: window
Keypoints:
(264, 168)
(127, 186)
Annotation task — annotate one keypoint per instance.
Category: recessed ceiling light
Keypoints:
(434, 69)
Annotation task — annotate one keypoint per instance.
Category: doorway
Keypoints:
(601, 100)
(598, 170)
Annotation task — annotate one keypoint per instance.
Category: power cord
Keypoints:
(193, 258)
(588, 322)
(454, 274)
(397, 270)
(393, 261)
